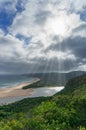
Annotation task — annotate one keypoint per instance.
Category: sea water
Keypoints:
(13, 80)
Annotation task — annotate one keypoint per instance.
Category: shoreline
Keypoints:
(34, 93)
(13, 94)
(18, 90)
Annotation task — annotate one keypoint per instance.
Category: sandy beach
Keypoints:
(13, 94)
(17, 91)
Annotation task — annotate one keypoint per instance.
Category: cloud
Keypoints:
(80, 30)
(43, 36)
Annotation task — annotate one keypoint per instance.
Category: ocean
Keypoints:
(13, 80)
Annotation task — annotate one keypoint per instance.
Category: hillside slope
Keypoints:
(64, 111)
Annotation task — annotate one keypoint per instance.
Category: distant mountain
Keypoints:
(53, 79)
(75, 73)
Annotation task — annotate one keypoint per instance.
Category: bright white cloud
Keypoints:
(11, 48)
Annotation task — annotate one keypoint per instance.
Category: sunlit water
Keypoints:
(37, 92)
(46, 91)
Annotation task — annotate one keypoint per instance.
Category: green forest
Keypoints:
(65, 110)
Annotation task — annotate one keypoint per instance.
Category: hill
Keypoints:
(53, 79)
(66, 110)
(74, 84)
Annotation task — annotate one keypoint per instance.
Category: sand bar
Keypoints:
(13, 94)
(17, 91)
(35, 92)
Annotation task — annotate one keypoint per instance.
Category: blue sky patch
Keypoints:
(83, 15)
(5, 20)
(20, 6)
(24, 38)
(7, 15)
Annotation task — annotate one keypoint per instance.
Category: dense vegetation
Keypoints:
(64, 111)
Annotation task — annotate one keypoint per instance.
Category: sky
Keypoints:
(42, 36)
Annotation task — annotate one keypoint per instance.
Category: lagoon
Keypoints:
(37, 92)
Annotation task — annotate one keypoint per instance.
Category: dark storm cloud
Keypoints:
(76, 45)
(55, 64)
(10, 67)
